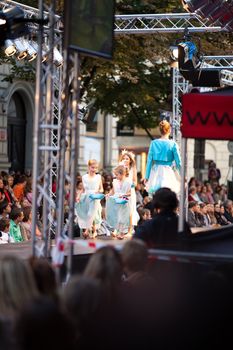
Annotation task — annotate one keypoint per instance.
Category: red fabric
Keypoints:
(206, 116)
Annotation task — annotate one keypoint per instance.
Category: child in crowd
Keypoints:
(16, 216)
(4, 231)
(117, 204)
(88, 210)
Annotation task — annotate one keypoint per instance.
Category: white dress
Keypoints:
(133, 200)
(88, 211)
(118, 215)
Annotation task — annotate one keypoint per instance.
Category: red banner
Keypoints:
(207, 116)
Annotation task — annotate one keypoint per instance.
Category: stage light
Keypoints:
(10, 49)
(193, 5)
(32, 49)
(21, 50)
(12, 24)
(174, 52)
(57, 57)
(188, 56)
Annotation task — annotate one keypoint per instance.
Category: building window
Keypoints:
(92, 120)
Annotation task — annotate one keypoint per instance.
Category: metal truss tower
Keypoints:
(55, 122)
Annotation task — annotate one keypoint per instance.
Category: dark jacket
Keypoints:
(162, 230)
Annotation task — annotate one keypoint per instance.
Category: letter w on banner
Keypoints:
(207, 116)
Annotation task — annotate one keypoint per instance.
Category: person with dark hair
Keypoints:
(45, 277)
(162, 229)
(16, 216)
(5, 209)
(4, 230)
(43, 325)
(163, 155)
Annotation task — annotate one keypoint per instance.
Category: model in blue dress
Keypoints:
(118, 205)
(87, 209)
(163, 162)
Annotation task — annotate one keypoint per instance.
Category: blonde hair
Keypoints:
(92, 162)
(131, 156)
(164, 127)
(17, 285)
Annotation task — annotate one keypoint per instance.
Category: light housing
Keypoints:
(10, 49)
(21, 50)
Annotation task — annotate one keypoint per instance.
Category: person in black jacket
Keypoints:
(162, 229)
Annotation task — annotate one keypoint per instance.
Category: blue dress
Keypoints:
(118, 215)
(87, 210)
(163, 166)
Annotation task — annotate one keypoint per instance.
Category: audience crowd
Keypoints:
(122, 298)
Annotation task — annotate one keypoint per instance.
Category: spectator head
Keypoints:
(16, 214)
(17, 285)
(5, 207)
(36, 323)
(165, 200)
(106, 266)
(192, 205)
(82, 298)
(134, 256)
(44, 276)
(4, 225)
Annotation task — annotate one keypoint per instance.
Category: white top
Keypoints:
(91, 184)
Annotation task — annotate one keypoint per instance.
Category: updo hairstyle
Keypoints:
(164, 127)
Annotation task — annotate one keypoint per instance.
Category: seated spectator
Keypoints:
(193, 220)
(203, 196)
(5, 209)
(83, 299)
(193, 196)
(26, 224)
(210, 212)
(18, 188)
(37, 324)
(221, 220)
(144, 215)
(16, 217)
(209, 193)
(163, 227)
(17, 286)
(203, 215)
(4, 230)
(135, 258)
(45, 277)
(228, 205)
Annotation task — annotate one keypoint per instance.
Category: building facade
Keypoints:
(102, 139)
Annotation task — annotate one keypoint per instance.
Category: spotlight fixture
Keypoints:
(57, 57)
(32, 49)
(174, 52)
(190, 67)
(10, 49)
(12, 24)
(21, 50)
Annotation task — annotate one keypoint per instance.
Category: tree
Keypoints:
(135, 85)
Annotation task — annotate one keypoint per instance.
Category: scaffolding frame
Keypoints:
(55, 135)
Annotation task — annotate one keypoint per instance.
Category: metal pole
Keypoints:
(182, 190)
(73, 158)
(48, 120)
(38, 111)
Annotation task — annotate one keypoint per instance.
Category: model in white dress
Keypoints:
(127, 159)
(117, 203)
(88, 210)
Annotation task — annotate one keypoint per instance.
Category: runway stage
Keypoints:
(218, 241)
